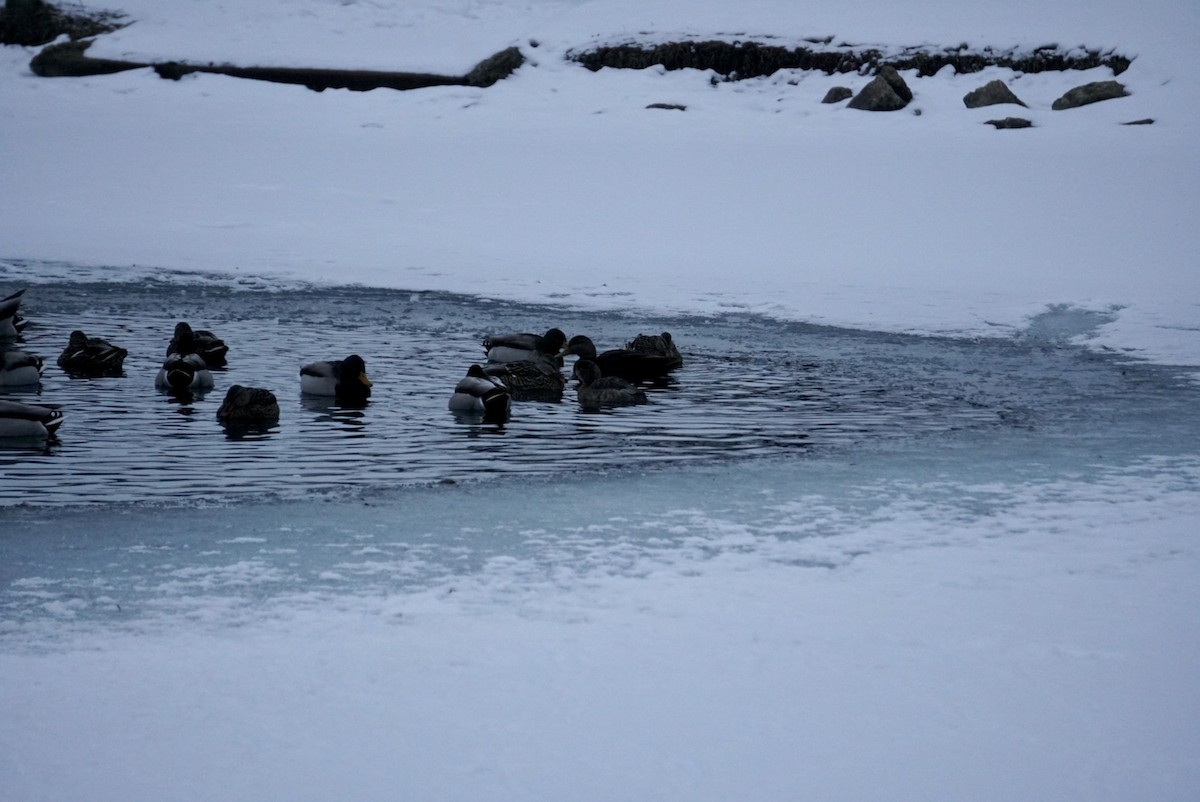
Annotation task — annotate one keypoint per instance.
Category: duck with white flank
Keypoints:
(525, 347)
(596, 390)
(479, 393)
(344, 379)
(184, 372)
(29, 421)
(20, 369)
(91, 356)
(11, 322)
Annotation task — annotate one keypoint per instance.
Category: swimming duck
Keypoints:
(634, 366)
(345, 379)
(28, 420)
(184, 372)
(478, 392)
(11, 322)
(525, 347)
(211, 348)
(656, 345)
(91, 356)
(19, 368)
(248, 405)
(533, 380)
(596, 390)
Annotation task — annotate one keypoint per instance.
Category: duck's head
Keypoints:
(354, 371)
(587, 372)
(580, 345)
(78, 339)
(553, 340)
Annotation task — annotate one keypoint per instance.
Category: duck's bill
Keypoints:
(365, 379)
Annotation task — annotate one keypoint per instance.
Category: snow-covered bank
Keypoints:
(959, 640)
(558, 184)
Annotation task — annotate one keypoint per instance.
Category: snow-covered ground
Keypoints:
(1041, 645)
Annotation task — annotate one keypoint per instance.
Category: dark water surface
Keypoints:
(750, 387)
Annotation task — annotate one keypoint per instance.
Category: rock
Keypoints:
(837, 94)
(1090, 93)
(495, 68)
(889, 74)
(1011, 122)
(991, 94)
(886, 92)
(68, 60)
(1146, 121)
(669, 106)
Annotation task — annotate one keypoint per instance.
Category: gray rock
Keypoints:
(1090, 93)
(668, 106)
(991, 94)
(886, 92)
(889, 74)
(1146, 121)
(837, 94)
(1011, 122)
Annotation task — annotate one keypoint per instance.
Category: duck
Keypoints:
(211, 348)
(532, 380)
(656, 345)
(19, 368)
(184, 372)
(345, 379)
(31, 421)
(91, 356)
(525, 347)
(478, 392)
(634, 366)
(597, 390)
(248, 405)
(11, 322)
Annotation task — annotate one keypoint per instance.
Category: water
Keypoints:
(147, 510)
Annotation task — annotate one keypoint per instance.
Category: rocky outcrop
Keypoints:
(34, 22)
(69, 59)
(1090, 93)
(887, 91)
(739, 60)
(992, 93)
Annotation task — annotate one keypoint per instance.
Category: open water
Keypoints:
(146, 508)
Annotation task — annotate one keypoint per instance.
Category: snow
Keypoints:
(1037, 645)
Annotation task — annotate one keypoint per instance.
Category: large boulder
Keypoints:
(1090, 93)
(991, 94)
(887, 91)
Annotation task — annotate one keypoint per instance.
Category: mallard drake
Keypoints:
(91, 356)
(19, 368)
(656, 345)
(211, 348)
(634, 366)
(184, 372)
(525, 347)
(28, 420)
(248, 405)
(345, 379)
(597, 390)
(11, 322)
(533, 380)
(478, 392)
